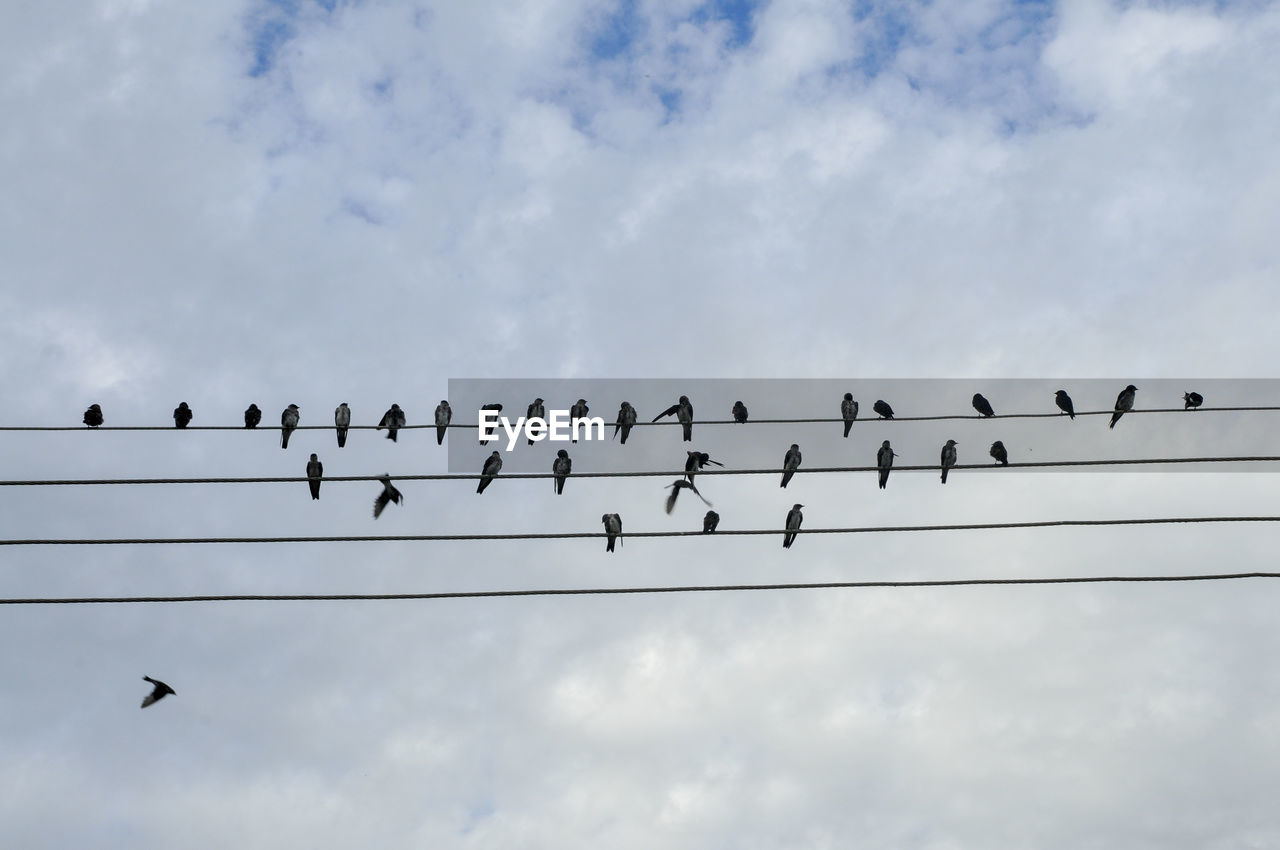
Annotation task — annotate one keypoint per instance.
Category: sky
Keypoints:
(311, 202)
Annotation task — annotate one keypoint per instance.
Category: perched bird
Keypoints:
(561, 467)
(489, 433)
(342, 421)
(883, 408)
(536, 409)
(709, 522)
(794, 518)
(675, 487)
(981, 405)
(252, 416)
(790, 463)
(849, 411)
(613, 528)
(998, 452)
(289, 419)
(948, 458)
(683, 411)
(492, 466)
(739, 412)
(444, 413)
(393, 420)
(182, 415)
(626, 419)
(93, 416)
(884, 462)
(1124, 403)
(159, 692)
(695, 461)
(579, 410)
(1064, 403)
(1191, 399)
(315, 471)
(388, 495)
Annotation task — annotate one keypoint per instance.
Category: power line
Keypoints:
(571, 535)
(614, 591)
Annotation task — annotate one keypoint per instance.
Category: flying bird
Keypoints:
(315, 471)
(849, 411)
(489, 434)
(790, 463)
(388, 495)
(492, 466)
(536, 409)
(1064, 403)
(252, 416)
(794, 518)
(182, 415)
(613, 528)
(883, 408)
(1192, 400)
(289, 419)
(342, 421)
(626, 419)
(93, 416)
(884, 462)
(948, 458)
(998, 452)
(695, 461)
(561, 467)
(579, 410)
(1124, 403)
(709, 522)
(393, 420)
(159, 692)
(739, 412)
(675, 487)
(444, 413)
(981, 405)
(683, 411)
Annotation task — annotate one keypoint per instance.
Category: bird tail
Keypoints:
(1115, 417)
(559, 486)
(1073, 414)
(944, 475)
(440, 435)
(787, 540)
(848, 424)
(688, 432)
(609, 547)
(484, 482)
(284, 439)
(884, 478)
(391, 435)
(786, 476)
(342, 437)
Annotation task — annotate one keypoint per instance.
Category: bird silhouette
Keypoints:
(710, 522)
(695, 461)
(182, 415)
(252, 416)
(883, 408)
(849, 412)
(1124, 403)
(393, 420)
(159, 692)
(613, 528)
(289, 420)
(388, 495)
(998, 452)
(342, 422)
(561, 467)
(626, 419)
(93, 416)
(981, 405)
(790, 463)
(492, 466)
(948, 458)
(579, 410)
(683, 411)
(490, 432)
(794, 519)
(675, 487)
(739, 412)
(444, 414)
(315, 471)
(1064, 403)
(884, 462)
(1192, 400)
(537, 410)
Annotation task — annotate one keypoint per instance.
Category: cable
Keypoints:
(468, 476)
(405, 538)
(611, 591)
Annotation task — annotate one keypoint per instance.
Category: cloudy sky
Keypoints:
(301, 201)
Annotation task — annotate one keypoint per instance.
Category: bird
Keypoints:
(444, 413)
(1064, 403)
(981, 405)
(182, 415)
(883, 408)
(998, 452)
(626, 419)
(948, 458)
(849, 411)
(393, 420)
(315, 471)
(790, 463)
(695, 461)
(342, 421)
(794, 518)
(289, 419)
(159, 692)
(675, 487)
(489, 434)
(683, 411)
(252, 416)
(93, 416)
(739, 412)
(709, 522)
(536, 409)
(388, 495)
(613, 528)
(1124, 403)
(884, 462)
(561, 467)
(492, 466)
(578, 410)
(1192, 400)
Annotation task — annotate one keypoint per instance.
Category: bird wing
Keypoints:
(668, 412)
